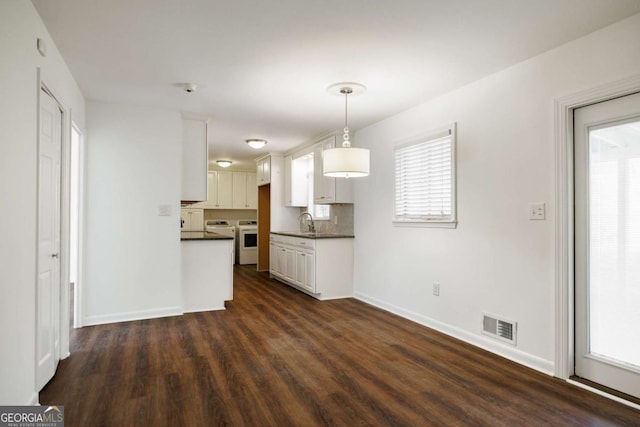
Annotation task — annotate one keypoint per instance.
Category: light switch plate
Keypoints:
(536, 211)
(164, 210)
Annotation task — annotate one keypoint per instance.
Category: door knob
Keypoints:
(54, 255)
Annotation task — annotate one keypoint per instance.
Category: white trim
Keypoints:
(564, 340)
(132, 316)
(603, 393)
(200, 310)
(78, 314)
(65, 152)
(505, 350)
(430, 224)
(34, 401)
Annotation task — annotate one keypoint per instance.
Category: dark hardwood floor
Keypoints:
(277, 357)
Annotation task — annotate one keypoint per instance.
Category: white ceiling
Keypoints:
(262, 66)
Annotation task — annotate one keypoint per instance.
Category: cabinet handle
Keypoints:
(303, 254)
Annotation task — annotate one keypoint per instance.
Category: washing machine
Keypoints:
(247, 241)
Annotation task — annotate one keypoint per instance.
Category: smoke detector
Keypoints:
(190, 87)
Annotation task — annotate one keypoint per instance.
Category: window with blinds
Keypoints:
(425, 179)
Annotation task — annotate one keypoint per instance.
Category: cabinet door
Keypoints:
(272, 258)
(301, 267)
(212, 191)
(239, 190)
(281, 264)
(290, 264)
(310, 272)
(225, 190)
(197, 219)
(252, 191)
(305, 270)
(185, 220)
(324, 187)
(288, 172)
(264, 171)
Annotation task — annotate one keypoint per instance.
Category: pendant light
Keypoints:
(345, 161)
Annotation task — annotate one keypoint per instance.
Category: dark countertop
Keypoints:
(202, 235)
(314, 235)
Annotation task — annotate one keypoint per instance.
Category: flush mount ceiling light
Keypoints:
(223, 163)
(345, 161)
(256, 144)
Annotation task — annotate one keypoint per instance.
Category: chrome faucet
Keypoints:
(311, 226)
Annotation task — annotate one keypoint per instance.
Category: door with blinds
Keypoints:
(607, 243)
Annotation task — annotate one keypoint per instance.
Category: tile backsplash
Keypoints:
(344, 214)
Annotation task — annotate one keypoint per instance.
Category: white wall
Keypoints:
(20, 26)
(496, 261)
(132, 255)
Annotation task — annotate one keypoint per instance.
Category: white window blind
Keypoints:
(425, 184)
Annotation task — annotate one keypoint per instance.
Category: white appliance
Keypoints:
(247, 242)
(224, 227)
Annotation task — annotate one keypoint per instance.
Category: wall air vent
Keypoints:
(504, 330)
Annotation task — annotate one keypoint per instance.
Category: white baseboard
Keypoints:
(35, 400)
(198, 310)
(131, 316)
(506, 351)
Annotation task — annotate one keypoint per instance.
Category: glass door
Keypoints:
(607, 245)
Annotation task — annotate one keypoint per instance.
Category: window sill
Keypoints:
(426, 224)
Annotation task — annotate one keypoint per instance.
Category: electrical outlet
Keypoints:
(536, 211)
(436, 289)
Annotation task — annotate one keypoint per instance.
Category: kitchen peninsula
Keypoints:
(206, 270)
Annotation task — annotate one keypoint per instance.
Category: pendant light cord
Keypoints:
(346, 143)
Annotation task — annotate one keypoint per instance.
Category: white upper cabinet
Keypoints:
(263, 169)
(230, 190)
(327, 190)
(194, 160)
(245, 190)
(225, 189)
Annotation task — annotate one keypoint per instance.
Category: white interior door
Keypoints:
(48, 287)
(607, 245)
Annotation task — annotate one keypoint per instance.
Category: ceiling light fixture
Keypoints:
(256, 144)
(345, 161)
(223, 163)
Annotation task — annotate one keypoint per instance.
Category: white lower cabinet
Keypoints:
(191, 219)
(322, 268)
(306, 270)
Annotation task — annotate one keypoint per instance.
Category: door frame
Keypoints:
(78, 313)
(44, 83)
(564, 212)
